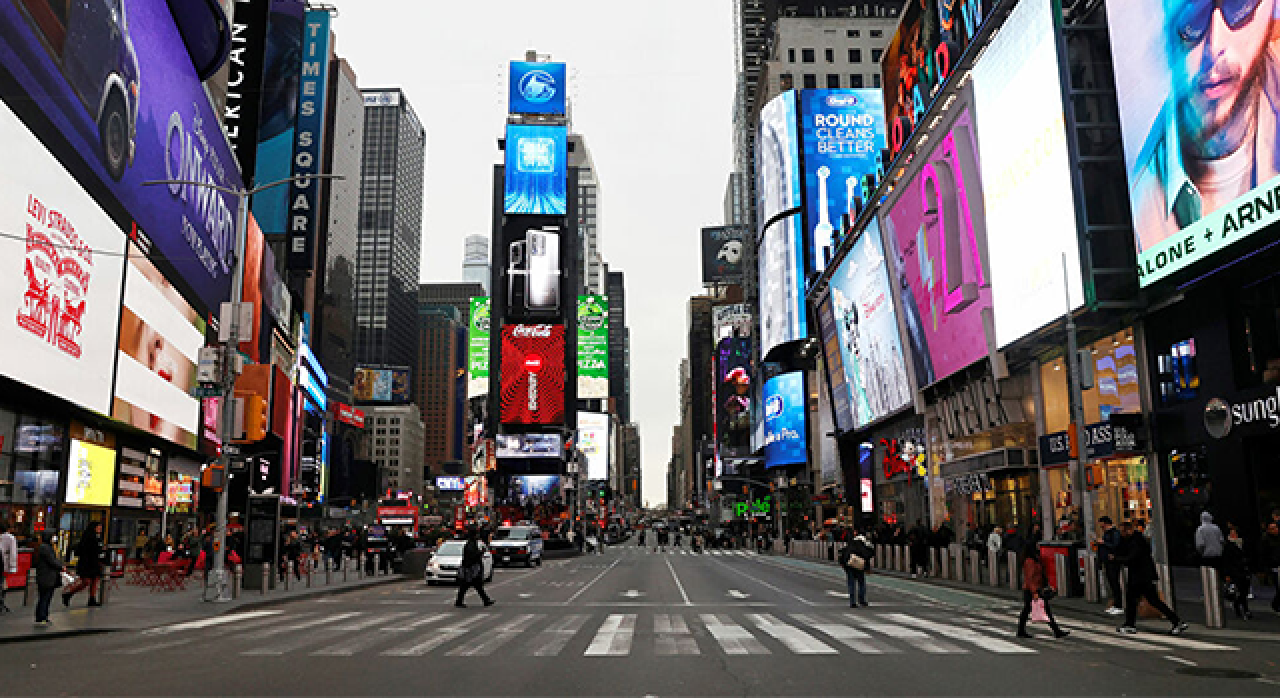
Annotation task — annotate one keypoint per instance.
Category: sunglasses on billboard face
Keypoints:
(1193, 17)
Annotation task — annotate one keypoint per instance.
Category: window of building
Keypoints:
(810, 80)
(855, 55)
(830, 55)
(876, 54)
(833, 81)
(791, 55)
(875, 80)
(855, 80)
(806, 55)
(854, 33)
(876, 33)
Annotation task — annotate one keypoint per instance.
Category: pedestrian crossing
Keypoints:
(610, 635)
(683, 552)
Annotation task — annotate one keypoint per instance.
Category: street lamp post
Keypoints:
(229, 351)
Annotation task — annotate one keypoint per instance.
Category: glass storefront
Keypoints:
(32, 454)
(981, 501)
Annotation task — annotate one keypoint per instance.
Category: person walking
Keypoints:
(8, 560)
(855, 559)
(49, 571)
(995, 542)
(1108, 544)
(471, 573)
(1236, 575)
(1135, 553)
(918, 546)
(1033, 589)
(88, 565)
(1269, 558)
(1209, 541)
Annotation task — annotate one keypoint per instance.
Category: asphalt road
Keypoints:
(632, 622)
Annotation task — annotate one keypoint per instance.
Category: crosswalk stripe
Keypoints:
(795, 639)
(673, 637)
(963, 634)
(170, 642)
(358, 625)
(553, 640)
(425, 620)
(855, 639)
(734, 639)
(489, 642)
(353, 645)
(275, 631)
(214, 621)
(614, 636)
(1162, 638)
(439, 636)
(910, 635)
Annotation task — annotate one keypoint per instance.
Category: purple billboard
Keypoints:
(933, 228)
(111, 91)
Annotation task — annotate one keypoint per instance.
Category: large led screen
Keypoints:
(478, 325)
(537, 88)
(782, 317)
(382, 385)
(113, 93)
(593, 441)
(536, 176)
(160, 338)
(733, 392)
(1198, 97)
(781, 251)
(784, 420)
(278, 112)
(842, 134)
(932, 229)
(91, 471)
(61, 262)
(533, 374)
(777, 159)
(832, 360)
(1026, 174)
(870, 352)
(593, 346)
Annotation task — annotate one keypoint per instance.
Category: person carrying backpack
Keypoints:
(855, 559)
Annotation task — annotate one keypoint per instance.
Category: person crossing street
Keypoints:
(1135, 553)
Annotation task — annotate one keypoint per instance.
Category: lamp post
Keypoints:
(242, 196)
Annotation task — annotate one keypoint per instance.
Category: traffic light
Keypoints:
(256, 418)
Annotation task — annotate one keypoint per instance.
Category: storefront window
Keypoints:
(1115, 384)
(983, 500)
(31, 458)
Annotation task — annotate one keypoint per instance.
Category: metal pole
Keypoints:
(1077, 413)
(993, 569)
(1064, 581)
(974, 567)
(1212, 597)
(1091, 577)
(1013, 571)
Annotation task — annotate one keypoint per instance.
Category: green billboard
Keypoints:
(593, 346)
(478, 347)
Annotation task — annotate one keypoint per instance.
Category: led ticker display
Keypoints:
(535, 172)
(533, 374)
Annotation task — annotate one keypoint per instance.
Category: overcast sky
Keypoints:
(652, 88)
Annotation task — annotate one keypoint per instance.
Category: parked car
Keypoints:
(444, 563)
(518, 544)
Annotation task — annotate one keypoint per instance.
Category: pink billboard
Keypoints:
(935, 235)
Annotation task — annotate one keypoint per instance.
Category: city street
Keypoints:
(632, 622)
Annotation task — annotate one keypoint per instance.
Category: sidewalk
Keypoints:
(137, 607)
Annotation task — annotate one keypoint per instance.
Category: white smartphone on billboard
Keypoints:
(543, 270)
(515, 270)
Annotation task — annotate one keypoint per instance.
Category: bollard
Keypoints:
(346, 568)
(1091, 577)
(359, 566)
(237, 581)
(104, 583)
(944, 562)
(1212, 597)
(879, 554)
(1014, 582)
(934, 562)
(957, 570)
(975, 566)
(1063, 584)
(328, 573)
(31, 584)
(1165, 583)
(904, 559)
(287, 578)
(311, 566)
(993, 569)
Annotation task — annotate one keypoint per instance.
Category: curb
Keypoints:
(60, 634)
(316, 593)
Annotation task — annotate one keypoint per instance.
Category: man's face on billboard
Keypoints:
(1216, 50)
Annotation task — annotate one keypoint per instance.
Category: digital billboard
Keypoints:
(722, 254)
(140, 115)
(1198, 115)
(278, 112)
(784, 420)
(833, 354)
(537, 88)
(1026, 174)
(731, 320)
(782, 317)
(533, 374)
(842, 134)
(869, 348)
(931, 39)
(382, 385)
(160, 338)
(61, 263)
(536, 486)
(304, 195)
(733, 392)
(91, 471)
(593, 442)
(478, 335)
(536, 173)
(593, 346)
(777, 159)
(529, 445)
(937, 256)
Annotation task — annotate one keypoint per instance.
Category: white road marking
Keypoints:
(733, 639)
(614, 636)
(735, 593)
(770, 586)
(273, 631)
(487, 643)
(1162, 637)
(855, 639)
(212, 621)
(837, 594)
(439, 636)
(673, 637)
(795, 639)
(1176, 659)
(553, 640)
(370, 622)
(525, 595)
(633, 594)
(678, 584)
(592, 582)
(911, 636)
(426, 620)
(963, 634)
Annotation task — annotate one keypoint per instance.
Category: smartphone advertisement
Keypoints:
(533, 374)
(533, 273)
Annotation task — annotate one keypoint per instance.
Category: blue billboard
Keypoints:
(304, 195)
(537, 88)
(784, 416)
(781, 252)
(278, 115)
(842, 133)
(536, 176)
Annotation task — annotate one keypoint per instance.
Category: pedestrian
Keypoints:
(333, 545)
(1108, 545)
(855, 559)
(1208, 541)
(918, 540)
(49, 571)
(1014, 541)
(471, 573)
(1235, 571)
(88, 565)
(8, 559)
(1269, 558)
(995, 542)
(1033, 590)
(1135, 553)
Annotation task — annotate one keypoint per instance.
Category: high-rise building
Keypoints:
(390, 243)
(436, 386)
(396, 446)
(455, 294)
(591, 260)
(619, 345)
(475, 260)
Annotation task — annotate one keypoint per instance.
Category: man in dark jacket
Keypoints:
(1269, 557)
(855, 575)
(49, 570)
(1108, 547)
(918, 546)
(1135, 553)
(471, 573)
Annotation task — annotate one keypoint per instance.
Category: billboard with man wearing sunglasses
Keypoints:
(1199, 89)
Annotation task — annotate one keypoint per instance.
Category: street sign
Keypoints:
(231, 450)
(207, 391)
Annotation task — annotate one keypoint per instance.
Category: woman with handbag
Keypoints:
(855, 559)
(88, 565)
(49, 575)
(1035, 594)
(471, 573)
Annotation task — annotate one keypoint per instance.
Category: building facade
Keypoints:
(475, 261)
(619, 346)
(436, 387)
(395, 446)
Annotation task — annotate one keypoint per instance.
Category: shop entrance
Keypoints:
(72, 525)
(1263, 454)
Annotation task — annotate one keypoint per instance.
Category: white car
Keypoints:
(518, 544)
(444, 563)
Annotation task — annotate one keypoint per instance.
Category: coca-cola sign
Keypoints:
(533, 374)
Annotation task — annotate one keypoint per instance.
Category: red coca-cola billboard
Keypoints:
(533, 374)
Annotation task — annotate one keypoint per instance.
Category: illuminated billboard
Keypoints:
(91, 471)
(537, 88)
(382, 385)
(1196, 84)
(733, 392)
(309, 136)
(593, 442)
(550, 445)
(536, 173)
(533, 374)
(478, 325)
(593, 347)
(784, 420)
(722, 254)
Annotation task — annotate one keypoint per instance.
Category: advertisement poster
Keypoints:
(1026, 174)
(160, 338)
(866, 326)
(782, 317)
(1198, 112)
(722, 253)
(91, 471)
(478, 346)
(536, 173)
(142, 116)
(593, 442)
(529, 445)
(533, 374)
(842, 134)
(304, 195)
(536, 487)
(733, 393)
(593, 347)
(937, 257)
(537, 88)
(784, 420)
(832, 354)
(60, 271)
(181, 498)
(731, 321)
(382, 385)
(278, 115)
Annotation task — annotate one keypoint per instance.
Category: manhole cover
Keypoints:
(1205, 672)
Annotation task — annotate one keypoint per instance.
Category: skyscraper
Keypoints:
(591, 260)
(390, 243)
(436, 387)
(475, 260)
(619, 345)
